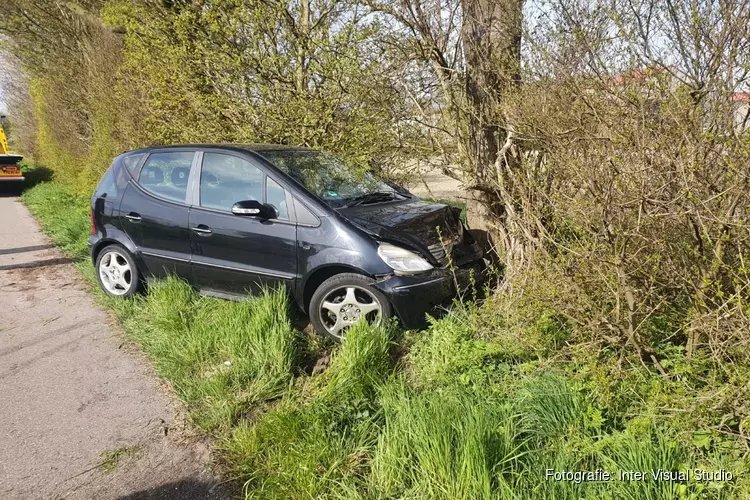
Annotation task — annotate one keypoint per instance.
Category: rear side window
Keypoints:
(107, 187)
(166, 174)
(132, 161)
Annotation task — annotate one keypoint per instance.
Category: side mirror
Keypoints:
(254, 208)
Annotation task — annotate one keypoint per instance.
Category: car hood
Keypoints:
(414, 223)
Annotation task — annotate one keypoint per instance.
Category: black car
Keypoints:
(231, 219)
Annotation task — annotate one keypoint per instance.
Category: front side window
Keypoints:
(276, 197)
(166, 174)
(227, 179)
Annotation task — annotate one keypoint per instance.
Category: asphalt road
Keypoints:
(72, 390)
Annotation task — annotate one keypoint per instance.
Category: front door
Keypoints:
(239, 254)
(154, 212)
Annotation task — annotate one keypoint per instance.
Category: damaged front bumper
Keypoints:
(415, 296)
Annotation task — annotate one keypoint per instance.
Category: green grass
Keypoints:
(316, 442)
(446, 444)
(63, 215)
(223, 358)
(111, 459)
(470, 408)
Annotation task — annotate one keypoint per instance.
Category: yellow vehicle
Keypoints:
(10, 170)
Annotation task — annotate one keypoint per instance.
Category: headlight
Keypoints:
(401, 259)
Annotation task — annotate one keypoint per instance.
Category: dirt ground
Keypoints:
(434, 184)
(82, 414)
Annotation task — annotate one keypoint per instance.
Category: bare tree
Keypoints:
(473, 49)
(631, 110)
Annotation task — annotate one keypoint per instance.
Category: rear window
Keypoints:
(107, 187)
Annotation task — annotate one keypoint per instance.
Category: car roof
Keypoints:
(255, 148)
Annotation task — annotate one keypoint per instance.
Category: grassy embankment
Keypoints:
(470, 408)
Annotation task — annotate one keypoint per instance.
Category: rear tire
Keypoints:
(117, 272)
(342, 300)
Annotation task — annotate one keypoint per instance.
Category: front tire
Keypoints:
(117, 272)
(342, 300)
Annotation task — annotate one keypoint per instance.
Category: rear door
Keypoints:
(238, 254)
(154, 211)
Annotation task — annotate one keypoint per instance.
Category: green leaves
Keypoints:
(246, 71)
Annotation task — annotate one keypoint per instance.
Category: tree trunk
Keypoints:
(491, 40)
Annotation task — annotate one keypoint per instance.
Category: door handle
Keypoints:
(201, 228)
(133, 217)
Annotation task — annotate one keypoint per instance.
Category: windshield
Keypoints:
(327, 177)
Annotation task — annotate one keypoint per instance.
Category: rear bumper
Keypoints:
(12, 178)
(412, 297)
(91, 243)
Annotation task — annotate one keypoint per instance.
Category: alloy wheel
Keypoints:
(115, 273)
(345, 306)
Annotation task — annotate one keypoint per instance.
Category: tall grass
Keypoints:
(317, 444)
(551, 408)
(473, 411)
(645, 453)
(222, 357)
(62, 214)
(361, 365)
(445, 444)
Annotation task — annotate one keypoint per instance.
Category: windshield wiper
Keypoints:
(376, 197)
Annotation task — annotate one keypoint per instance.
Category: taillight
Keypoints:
(91, 219)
